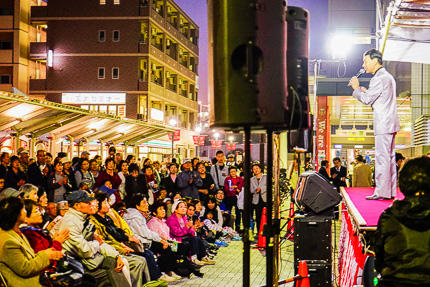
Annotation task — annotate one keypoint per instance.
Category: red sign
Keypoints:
(199, 140)
(323, 131)
(230, 146)
(216, 144)
(351, 257)
(177, 135)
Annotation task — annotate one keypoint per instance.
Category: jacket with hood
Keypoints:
(402, 243)
(137, 222)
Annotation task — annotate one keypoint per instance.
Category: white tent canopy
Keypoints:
(405, 36)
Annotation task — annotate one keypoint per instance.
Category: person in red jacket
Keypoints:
(108, 174)
(233, 185)
(38, 238)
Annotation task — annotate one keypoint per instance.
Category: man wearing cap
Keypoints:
(99, 258)
(230, 160)
(188, 181)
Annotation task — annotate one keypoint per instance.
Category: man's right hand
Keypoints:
(54, 254)
(119, 264)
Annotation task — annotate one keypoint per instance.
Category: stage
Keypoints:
(359, 221)
(364, 212)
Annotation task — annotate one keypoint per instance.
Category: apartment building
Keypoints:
(132, 58)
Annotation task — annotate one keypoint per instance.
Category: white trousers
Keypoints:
(385, 165)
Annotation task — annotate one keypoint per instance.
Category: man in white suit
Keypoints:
(381, 95)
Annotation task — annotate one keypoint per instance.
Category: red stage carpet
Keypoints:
(366, 212)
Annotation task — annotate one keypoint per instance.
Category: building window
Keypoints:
(115, 35)
(115, 2)
(115, 73)
(102, 35)
(143, 70)
(4, 79)
(102, 2)
(101, 72)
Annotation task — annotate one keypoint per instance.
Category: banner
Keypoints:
(323, 131)
(351, 257)
(177, 136)
(216, 144)
(199, 140)
(231, 146)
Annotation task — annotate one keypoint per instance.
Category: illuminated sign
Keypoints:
(157, 114)
(358, 146)
(338, 146)
(50, 60)
(93, 98)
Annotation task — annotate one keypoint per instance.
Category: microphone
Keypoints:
(360, 73)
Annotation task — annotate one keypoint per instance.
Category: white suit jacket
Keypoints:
(381, 95)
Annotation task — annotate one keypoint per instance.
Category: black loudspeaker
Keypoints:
(313, 243)
(297, 113)
(315, 193)
(312, 238)
(247, 63)
(301, 139)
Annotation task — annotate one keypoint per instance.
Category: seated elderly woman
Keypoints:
(403, 235)
(19, 264)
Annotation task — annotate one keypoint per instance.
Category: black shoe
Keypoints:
(195, 266)
(198, 274)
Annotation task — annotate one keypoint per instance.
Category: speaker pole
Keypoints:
(247, 210)
(268, 229)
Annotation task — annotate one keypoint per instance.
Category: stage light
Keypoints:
(340, 45)
(231, 138)
(216, 135)
(198, 129)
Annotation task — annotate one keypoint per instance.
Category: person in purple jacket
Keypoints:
(182, 230)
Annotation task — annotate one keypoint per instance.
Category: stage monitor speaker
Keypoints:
(320, 275)
(297, 113)
(315, 193)
(247, 63)
(312, 239)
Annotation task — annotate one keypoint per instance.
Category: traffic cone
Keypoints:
(290, 227)
(303, 273)
(262, 239)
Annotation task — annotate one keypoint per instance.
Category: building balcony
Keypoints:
(6, 88)
(37, 85)
(6, 56)
(38, 51)
(38, 13)
(142, 86)
(143, 47)
(6, 22)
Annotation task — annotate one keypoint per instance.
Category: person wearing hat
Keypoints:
(230, 160)
(188, 181)
(10, 192)
(402, 237)
(100, 259)
(68, 172)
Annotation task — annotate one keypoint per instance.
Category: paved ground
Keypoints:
(228, 268)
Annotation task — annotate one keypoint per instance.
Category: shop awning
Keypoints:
(405, 35)
(22, 115)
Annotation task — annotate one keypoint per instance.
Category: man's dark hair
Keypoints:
(415, 176)
(108, 160)
(324, 163)
(359, 158)
(10, 210)
(3, 155)
(159, 203)
(173, 163)
(13, 158)
(101, 196)
(260, 165)
(373, 53)
(135, 200)
(219, 152)
(61, 154)
(132, 167)
(399, 156)
(336, 159)
(28, 205)
(232, 167)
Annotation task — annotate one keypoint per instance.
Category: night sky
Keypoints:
(197, 10)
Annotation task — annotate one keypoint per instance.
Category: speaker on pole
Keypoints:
(297, 113)
(247, 63)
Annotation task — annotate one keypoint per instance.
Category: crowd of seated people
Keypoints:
(115, 223)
